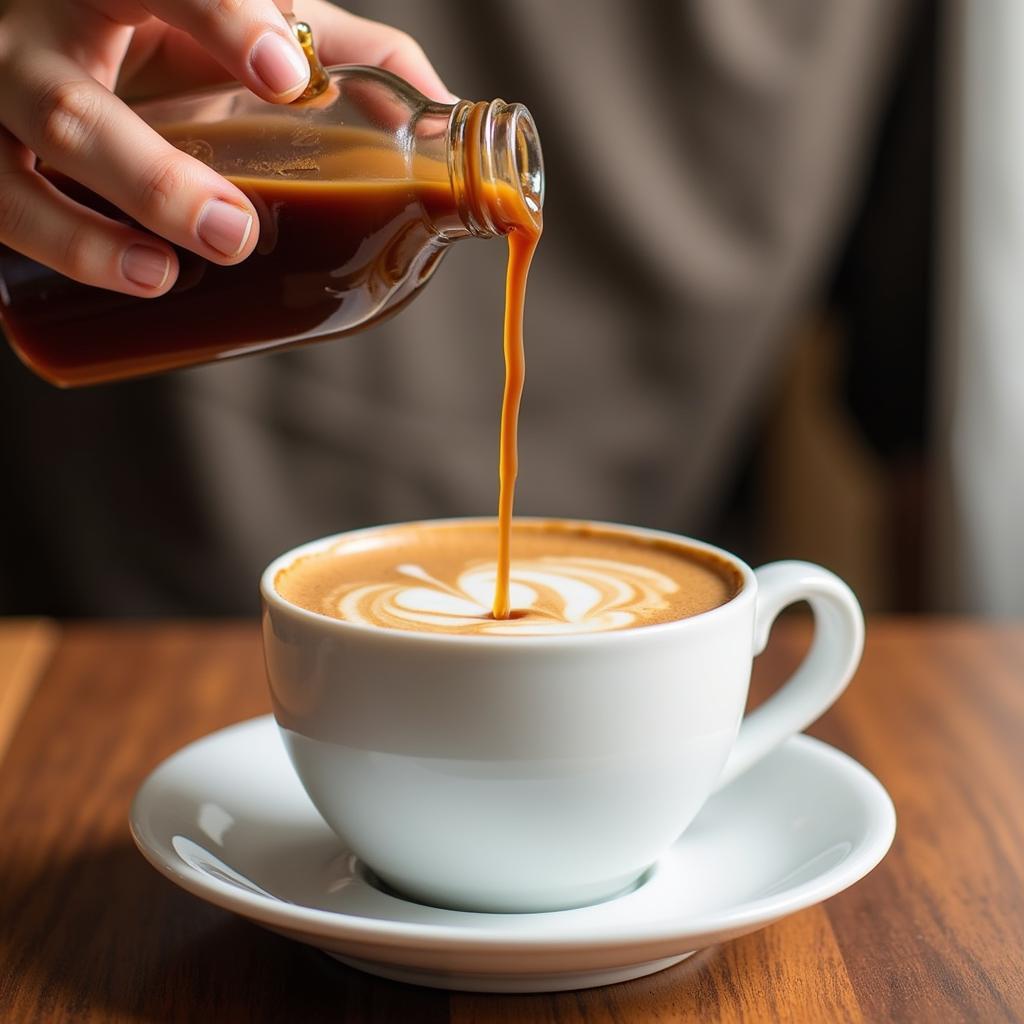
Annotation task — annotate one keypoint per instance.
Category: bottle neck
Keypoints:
(496, 167)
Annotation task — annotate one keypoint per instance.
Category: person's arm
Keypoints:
(59, 63)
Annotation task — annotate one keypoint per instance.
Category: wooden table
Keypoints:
(88, 931)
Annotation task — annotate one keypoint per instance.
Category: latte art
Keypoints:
(549, 595)
(566, 578)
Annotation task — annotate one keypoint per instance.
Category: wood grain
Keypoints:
(91, 933)
(25, 648)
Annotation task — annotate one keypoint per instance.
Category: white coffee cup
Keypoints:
(532, 773)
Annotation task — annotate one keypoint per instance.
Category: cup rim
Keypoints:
(271, 597)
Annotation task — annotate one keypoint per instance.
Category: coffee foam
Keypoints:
(565, 579)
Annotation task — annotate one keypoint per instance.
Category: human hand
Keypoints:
(59, 63)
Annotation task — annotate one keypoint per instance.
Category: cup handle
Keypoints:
(823, 674)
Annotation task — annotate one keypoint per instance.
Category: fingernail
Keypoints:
(279, 64)
(224, 227)
(146, 266)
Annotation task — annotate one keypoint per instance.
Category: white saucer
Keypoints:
(226, 819)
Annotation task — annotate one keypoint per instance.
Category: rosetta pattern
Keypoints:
(549, 594)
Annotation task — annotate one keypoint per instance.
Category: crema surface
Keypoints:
(565, 578)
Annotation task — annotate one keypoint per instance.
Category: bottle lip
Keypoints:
(528, 159)
(495, 143)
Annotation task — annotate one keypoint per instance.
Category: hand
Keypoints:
(59, 62)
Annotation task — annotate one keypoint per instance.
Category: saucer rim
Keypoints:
(316, 923)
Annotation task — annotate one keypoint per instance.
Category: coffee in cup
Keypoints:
(540, 770)
(565, 578)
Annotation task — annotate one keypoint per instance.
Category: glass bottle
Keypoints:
(360, 190)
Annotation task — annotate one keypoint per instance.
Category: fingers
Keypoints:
(250, 38)
(52, 108)
(343, 38)
(48, 227)
(76, 126)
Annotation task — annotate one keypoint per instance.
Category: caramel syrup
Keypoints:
(335, 255)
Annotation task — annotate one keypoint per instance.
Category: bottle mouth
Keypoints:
(528, 159)
(497, 167)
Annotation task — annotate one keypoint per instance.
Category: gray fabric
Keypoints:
(977, 542)
(702, 159)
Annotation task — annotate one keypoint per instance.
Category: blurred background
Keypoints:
(775, 307)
